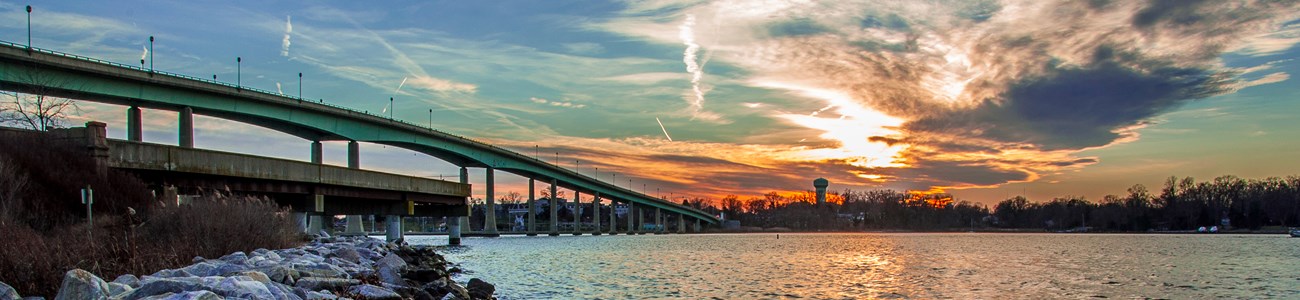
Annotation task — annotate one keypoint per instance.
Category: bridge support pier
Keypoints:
(301, 220)
(577, 213)
(315, 224)
(555, 213)
(354, 156)
(659, 221)
(453, 231)
(490, 212)
(355, 226)
(134, 131)
(697, 225)
(532, 209)
(595, 213)
(681, 223)
(631, 218)
(461, 222)
(186, 127)
(317, 153)
(613, 217)
(393, 227)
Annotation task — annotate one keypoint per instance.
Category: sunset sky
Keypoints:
(981, 99)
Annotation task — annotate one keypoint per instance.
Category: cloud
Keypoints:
(556, 103)
(584, 48)
(441, 85)
(984, 92)
(288, 29)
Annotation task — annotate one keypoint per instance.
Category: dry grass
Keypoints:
(43, 232)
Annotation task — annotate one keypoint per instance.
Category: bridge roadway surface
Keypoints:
(39, 71)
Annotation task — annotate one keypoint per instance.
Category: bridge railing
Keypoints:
(475, 142)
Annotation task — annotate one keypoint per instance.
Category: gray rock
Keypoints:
(8, 293)
(242, 287)
(458, 291)
(172, 273)
(33, 298)
(480, 289)
(128, 280)
(320, 296)
(374, 292)
(390, 269)
(118, 289)
(282, 292)
(191, 295)
(324, 234)
(281, 274)
(154, 286)
(255, 275)
(235, 258)
(79, 284)
(197, 259)
(203, 269)
(348, 254)
(322, 283)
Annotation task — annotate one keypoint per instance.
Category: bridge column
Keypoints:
(454, 226)
(595, 213)
(659, 221)
(355, 225)
(697, 225)
(532, 209)
(187, 127)
(134, 131)
(317, 153)
(301, 219)
(490, 212)
(393, 227)
(577, 213)
(613, 217)
(555, 214)
(681, 223)
(354, 156)
(315, 224)
(630, 213)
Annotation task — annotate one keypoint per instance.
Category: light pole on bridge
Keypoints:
(299, 86)
(430, 118)
(390, 108)
(239, 70)
(29, 28)
(150, 54)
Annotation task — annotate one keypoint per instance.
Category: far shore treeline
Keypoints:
(1229, 202)
(1183, 204)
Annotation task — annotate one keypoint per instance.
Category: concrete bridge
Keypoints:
(44, 72)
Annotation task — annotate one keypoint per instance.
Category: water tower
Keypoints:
(820, 184)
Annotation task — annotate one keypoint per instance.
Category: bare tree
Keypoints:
(34, 107)
(511, 198)
(12, 183)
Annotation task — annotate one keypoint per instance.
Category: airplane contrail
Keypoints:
(288, 29)
(277, 88)
(687, 33)
(661, 127)
(399, 88)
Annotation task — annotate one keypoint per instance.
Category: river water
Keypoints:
(883, 265)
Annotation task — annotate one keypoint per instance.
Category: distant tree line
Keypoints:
(1183, 204)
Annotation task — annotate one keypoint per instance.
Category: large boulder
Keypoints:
(348, 254)
(128, 280)
(8, 293)
(154, 286)
(367, 291)
(324, 283)
(80, 285)
(191, 295)
(390, 269)
(480, 289)
(118, 289)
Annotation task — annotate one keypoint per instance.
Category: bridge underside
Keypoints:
(302, 196)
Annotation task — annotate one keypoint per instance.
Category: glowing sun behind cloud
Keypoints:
(858, 129)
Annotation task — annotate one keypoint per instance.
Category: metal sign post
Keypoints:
(88, 198)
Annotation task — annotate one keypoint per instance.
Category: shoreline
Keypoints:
(1256, 232)
(328, 267)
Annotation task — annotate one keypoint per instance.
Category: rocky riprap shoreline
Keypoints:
(327, 268)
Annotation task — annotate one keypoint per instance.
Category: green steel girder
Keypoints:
(63, 75)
